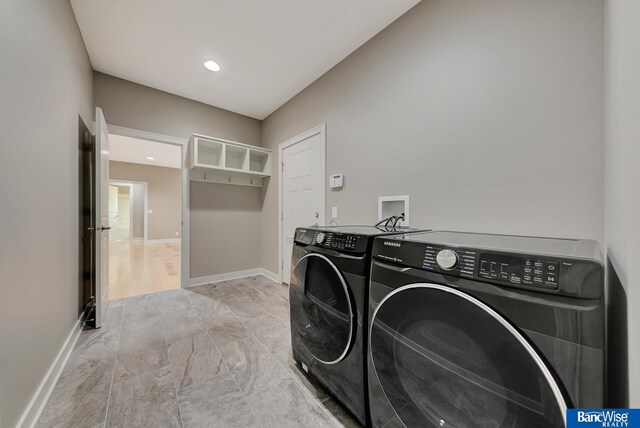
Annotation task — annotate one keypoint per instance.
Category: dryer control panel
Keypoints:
(534, 271)
(331, 240)
(547, 272)
(474, 263)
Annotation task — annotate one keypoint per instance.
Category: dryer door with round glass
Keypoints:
(445, 359)
(322, 308)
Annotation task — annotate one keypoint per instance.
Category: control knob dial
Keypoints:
(320, 238)
(447, 259)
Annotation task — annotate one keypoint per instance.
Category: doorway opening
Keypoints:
(145, 216)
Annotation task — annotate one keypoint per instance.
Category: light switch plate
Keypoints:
(334, 212)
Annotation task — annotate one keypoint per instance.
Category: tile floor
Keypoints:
(209, 356)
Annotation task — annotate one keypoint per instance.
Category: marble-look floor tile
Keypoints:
(142, 319)
(225, 328)
(245, 307)
(231, 283)
(145, 401)
(116, 302)
(180, 325)
(273, 333)
(339, 414)
(80, 397)
(264, 324)
(228, 292)
(113, 317)
(284, 404)
(252, 366)
(216, 402)
(307, 382)
(205, 301)
(278, 342)
(163, 302)
(271, 287)
(95, 343)
(277, 306)
(140, 351)
(194, 359)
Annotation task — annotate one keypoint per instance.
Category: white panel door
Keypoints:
(303, 193)
(101, 188)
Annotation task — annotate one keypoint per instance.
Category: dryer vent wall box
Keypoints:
(335, 181)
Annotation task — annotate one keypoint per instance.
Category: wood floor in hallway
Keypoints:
(139, 267)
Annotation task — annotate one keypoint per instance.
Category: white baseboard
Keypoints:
(272, 276)
(163, 241)
(222, 277)
(41, 396)
(232, 275)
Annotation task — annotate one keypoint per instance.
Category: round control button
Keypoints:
(447, 259)
(320, 238)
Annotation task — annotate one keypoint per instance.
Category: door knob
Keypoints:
(317, 215)
(104, 228)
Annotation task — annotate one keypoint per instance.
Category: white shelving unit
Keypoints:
(215, 160)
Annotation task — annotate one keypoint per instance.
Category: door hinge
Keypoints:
(281, 166)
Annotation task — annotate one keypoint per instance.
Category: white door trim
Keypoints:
(322, 130)
(184, 143)
(146, 203)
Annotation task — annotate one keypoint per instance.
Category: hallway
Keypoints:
(139, 267)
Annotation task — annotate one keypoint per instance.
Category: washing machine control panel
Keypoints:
(332, 240)
(338, 241)
(532, 271)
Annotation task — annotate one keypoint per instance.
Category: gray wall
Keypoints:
(163, 187)
(139, 107)
(488, 114)
(622, 182)
(45, 83)
(227, 219)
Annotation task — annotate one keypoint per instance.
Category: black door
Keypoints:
(445, 359)
(322, 308)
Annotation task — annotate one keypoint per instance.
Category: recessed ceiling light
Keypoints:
(150, 158)
(212, 65)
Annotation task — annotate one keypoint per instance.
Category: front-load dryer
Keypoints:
(328, 300)
(473, 330)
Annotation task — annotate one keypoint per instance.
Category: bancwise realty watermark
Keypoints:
(603, 418)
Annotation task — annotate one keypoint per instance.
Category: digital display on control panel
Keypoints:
(338, 241)
(519, 270)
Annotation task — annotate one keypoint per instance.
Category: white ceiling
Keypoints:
(269, 50)
(133, 150)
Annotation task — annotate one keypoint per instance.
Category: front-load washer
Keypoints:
(476, 330)
(328, 300)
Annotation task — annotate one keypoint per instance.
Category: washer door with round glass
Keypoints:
(321, 308)
(445, 359)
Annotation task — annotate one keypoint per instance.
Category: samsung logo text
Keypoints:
(391, 244)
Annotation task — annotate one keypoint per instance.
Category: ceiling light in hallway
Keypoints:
(212, 65)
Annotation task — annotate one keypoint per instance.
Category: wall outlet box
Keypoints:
(394, 206)
(149, 211)
(335, 181)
